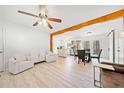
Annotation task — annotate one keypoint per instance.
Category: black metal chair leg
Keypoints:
(98, 60)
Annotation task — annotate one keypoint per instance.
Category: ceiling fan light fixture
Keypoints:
(42, 17)
(39, 22)
(44, 22)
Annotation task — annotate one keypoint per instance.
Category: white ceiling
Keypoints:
(70, 14)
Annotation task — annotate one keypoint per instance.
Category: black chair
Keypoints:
(81, 55)
(75, 53)
(87, 54)
(97, 56)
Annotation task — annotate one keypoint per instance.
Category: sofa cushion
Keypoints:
(49, 53)
(20, 57)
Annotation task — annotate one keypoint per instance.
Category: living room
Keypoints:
(39, 54)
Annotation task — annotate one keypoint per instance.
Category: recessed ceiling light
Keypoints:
(89, 32)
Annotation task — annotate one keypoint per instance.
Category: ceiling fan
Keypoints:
(42, 17)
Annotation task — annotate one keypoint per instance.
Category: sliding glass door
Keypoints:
(116, 50)
(86, 45)
(96, 47)
(119, 47)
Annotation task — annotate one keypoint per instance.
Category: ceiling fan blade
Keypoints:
(42, 9)
(35, 24)
(27, 13)
(55, 20)
(49, 25)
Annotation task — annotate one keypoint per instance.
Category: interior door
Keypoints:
(1, 49)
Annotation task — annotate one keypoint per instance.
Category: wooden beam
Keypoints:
(51, 42)
(123, 23)
(104, 18)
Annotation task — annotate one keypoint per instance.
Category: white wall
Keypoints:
(23, 40)
(1, 48)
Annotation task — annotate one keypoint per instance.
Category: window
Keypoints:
(96, 47)
(86, 45)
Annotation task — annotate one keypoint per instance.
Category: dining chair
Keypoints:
(97, 56)
(81, 56)
(87, 54)
(75, 53)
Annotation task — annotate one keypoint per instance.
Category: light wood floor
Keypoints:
(65, 73)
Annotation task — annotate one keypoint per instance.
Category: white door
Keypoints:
(1, 49)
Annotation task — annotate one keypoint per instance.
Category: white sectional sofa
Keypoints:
(19, 63)
(50, 57)
(37, 56)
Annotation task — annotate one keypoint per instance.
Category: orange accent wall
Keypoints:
(104, 18)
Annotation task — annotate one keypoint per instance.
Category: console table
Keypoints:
(100, 66)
